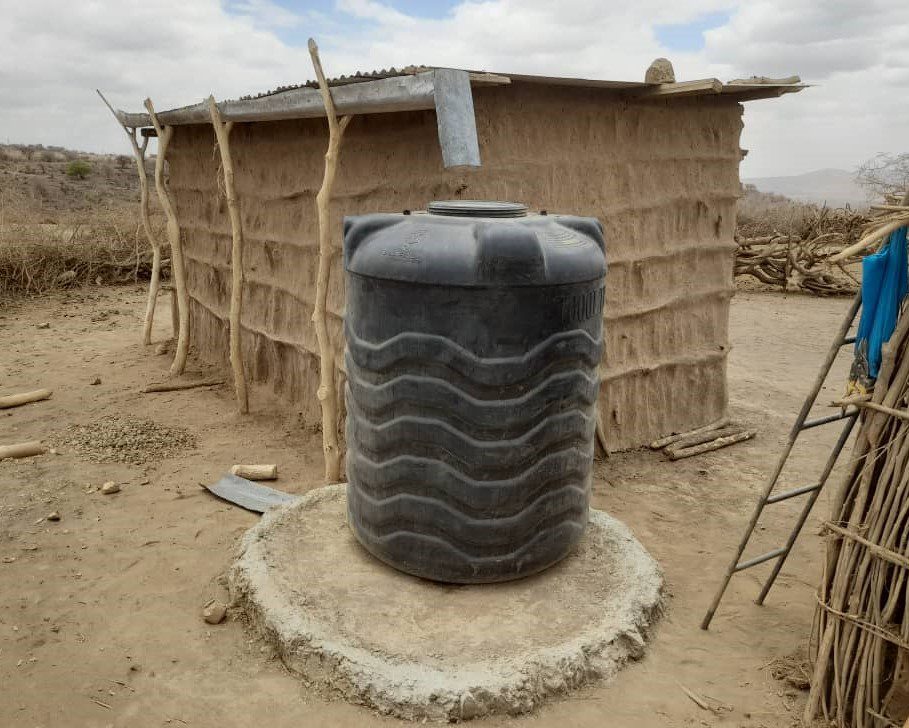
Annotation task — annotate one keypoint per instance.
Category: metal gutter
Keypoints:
(447, 91)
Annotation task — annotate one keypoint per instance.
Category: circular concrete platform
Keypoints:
(417, 649)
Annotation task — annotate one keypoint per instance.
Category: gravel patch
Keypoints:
(132, 440)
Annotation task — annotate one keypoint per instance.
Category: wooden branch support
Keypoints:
(173, 386)
(222, 132)
(155, 280)
(17, 400)
(165, 134)
(326, 392)
(22, 450)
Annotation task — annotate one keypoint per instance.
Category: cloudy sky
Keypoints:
(55, 53)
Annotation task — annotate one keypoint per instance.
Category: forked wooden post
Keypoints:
(326, 393)
(165, 134)
(222, 132)
(155, 281)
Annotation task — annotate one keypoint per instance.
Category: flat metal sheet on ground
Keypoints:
(249, 495)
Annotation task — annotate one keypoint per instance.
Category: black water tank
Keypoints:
(474, 333)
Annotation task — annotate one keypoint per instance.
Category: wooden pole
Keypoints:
(871, 238)
(679, 453)
(222, 132)
(173, 386)
(17, 400)
(165, 134)
(673, 439)
(256, 472)
(22, 450)
(326, 392)
(155, 281)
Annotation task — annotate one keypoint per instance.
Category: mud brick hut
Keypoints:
(657, 163)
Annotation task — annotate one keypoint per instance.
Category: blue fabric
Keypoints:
(885, 280)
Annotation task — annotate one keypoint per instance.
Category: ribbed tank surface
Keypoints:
(474, 335)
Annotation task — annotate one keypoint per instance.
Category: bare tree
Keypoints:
(884, 174)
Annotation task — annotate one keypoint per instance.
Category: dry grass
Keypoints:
(36, 257)
(56, 232)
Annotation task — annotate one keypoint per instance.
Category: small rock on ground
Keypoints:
(214, 612)
(110, 487)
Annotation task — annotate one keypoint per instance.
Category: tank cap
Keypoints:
(477, 208)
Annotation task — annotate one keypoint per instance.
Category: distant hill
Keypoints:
(835, 187)
(36, 188)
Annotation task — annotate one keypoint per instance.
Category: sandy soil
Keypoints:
(100, 613)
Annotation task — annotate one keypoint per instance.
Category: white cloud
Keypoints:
(56, 53)
(179, 51)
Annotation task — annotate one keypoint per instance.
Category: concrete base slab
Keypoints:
(418, 649)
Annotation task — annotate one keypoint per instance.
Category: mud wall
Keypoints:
(662, 176)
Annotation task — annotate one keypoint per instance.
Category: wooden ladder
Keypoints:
(813, 490)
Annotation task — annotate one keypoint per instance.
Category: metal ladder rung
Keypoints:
(760, 559)
(808, 424)
(850, 416)
(786, 495)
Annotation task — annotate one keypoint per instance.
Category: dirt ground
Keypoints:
(100, 613)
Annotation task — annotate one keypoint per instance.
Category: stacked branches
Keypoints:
(802, 259)
(861, 645)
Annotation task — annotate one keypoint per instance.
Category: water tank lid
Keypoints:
(477, 208)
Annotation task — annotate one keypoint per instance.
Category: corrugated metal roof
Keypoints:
(754, 88)
(358, 77)
(413, 88)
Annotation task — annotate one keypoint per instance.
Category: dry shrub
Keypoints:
(52, 239)
(37, 256)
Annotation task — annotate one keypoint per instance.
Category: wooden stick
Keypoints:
(172, 386)
(890, 208)
(882, 553)
(22, 450)
(155, 280)
(255, 472)
(174, 314)
(601, 432)
(326, 391)
(165, 134)
(695, 698)
(702, 437)
(670, 439)
(870, 239)
(222, 132)
(17, 400)
(688, 452)
(901, 414)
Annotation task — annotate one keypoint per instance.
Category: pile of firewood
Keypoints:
(800, 260)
